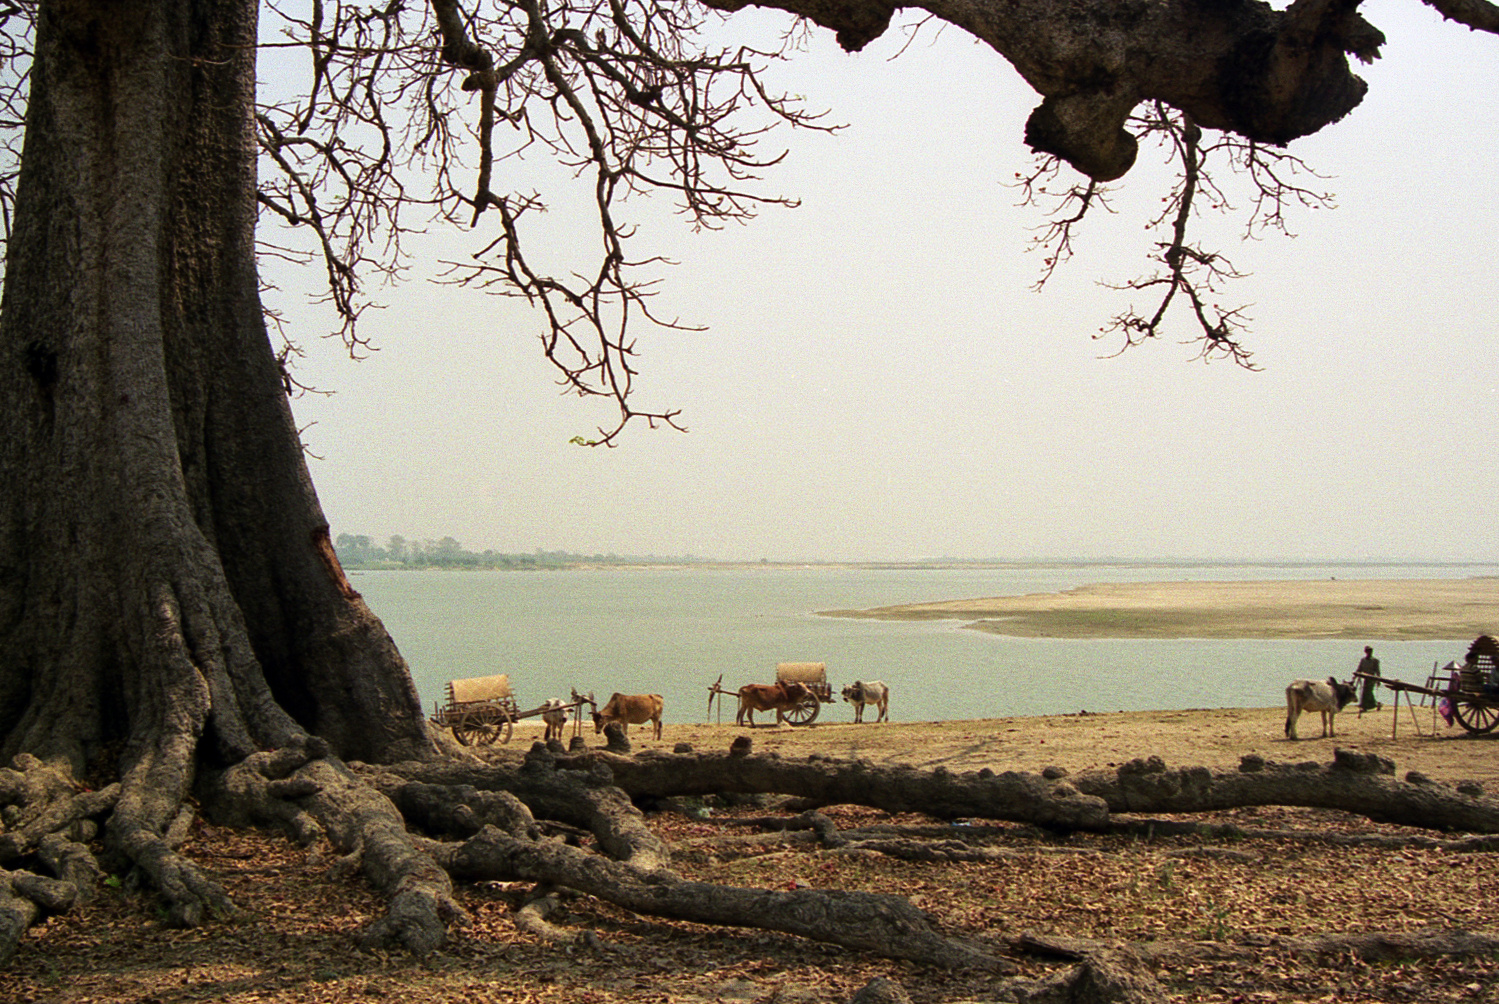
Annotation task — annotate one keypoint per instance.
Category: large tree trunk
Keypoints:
(168, 596)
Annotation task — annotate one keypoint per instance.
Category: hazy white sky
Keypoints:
(878, 381)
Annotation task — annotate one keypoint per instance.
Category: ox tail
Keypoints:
(1293, 709)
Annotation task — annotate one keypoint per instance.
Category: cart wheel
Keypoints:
(482, 727)
(473, 732)
(504, 728)
(1475, 717)
(804, 713)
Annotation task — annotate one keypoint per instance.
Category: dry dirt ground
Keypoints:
(293, 939)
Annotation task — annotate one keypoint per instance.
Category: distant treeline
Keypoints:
(358, 551)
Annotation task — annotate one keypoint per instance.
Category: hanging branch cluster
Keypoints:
(406, 107)
(332, 165)
(17, 18)
(614, 91)
(609, 89)
(1188, 271)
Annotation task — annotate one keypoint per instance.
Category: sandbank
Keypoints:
(1362, 609)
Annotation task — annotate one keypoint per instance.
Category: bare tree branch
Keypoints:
(1191, 271)
(1067, 209)
(1479, 15)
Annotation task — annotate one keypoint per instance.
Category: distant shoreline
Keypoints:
(527, 563)
(1362, 609)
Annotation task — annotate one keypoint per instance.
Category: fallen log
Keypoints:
(1360, 783)
(1017, 796)
(1368, 946)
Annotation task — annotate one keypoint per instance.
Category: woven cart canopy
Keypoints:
(479, 688)
(802, 672)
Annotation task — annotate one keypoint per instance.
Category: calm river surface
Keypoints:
(673, 631)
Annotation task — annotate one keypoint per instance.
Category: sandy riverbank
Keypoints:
(1361, 609)
(1216, 737)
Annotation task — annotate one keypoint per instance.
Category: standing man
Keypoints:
(1369, 666)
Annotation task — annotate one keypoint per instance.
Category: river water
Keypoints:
(674, 631)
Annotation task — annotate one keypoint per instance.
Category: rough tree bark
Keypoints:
(168, 597)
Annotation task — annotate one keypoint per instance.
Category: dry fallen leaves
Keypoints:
(293, 941)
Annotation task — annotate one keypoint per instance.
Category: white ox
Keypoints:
(863, 692)
(1327, 696)
(554, 713)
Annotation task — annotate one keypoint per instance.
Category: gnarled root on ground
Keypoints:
(506, 848)
(505, 819)
(45, 818)
(308, 794)
(434, 793)
(885, 925)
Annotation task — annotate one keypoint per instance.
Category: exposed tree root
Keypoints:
(875, 841)
(886, 925)
(190, 896)
(505, 820)
(37, 800)
(44, 816)
(308, 795)
(24, 899)
(585, 798)
(1148, 827)
(532, 917)
(1372, 946)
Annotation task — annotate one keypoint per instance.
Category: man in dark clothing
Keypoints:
(1369, 666)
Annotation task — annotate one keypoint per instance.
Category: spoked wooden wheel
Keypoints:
(1476, 717)
(482, 727)
(804, 713)
(470, 732)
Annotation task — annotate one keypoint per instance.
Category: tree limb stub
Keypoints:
(883, 924)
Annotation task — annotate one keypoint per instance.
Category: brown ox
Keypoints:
(630, 709)
(777, 697)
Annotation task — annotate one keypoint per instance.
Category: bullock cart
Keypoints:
(482, 710)
(1475, 709)
(812, 675)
